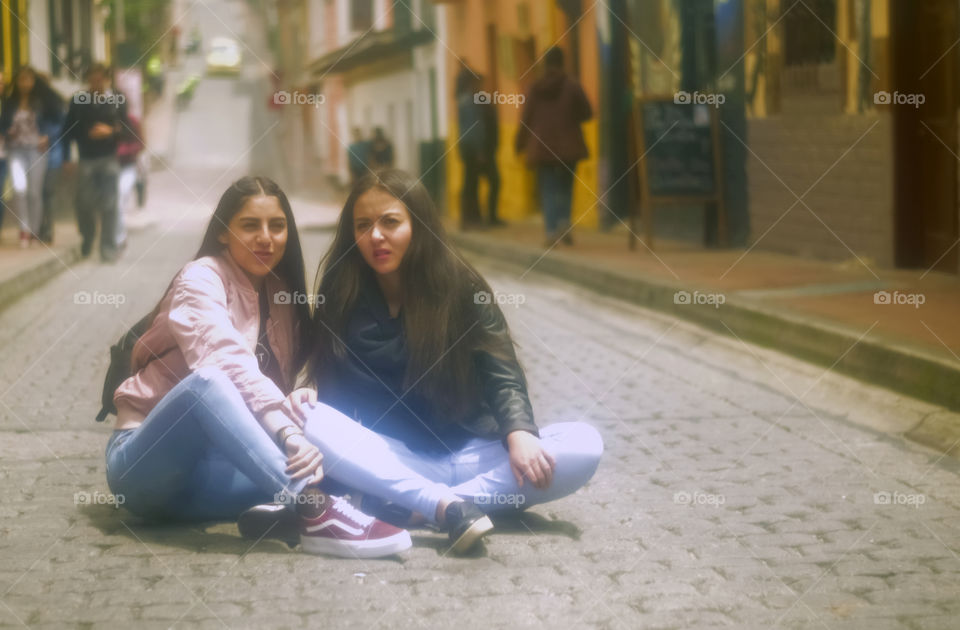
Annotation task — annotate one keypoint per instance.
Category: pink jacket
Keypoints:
(210, 317)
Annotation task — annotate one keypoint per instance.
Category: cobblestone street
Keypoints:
(739, 488)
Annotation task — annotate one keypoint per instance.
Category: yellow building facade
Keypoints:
(15, 34)
(504, 41)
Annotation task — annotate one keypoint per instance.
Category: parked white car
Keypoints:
(224, 56)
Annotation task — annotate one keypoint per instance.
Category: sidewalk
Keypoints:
(894, 328)
(313, 215)
(23, 270)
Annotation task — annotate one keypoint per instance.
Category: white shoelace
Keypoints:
(343, 506)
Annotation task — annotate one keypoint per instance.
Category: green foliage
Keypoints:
(147, 26)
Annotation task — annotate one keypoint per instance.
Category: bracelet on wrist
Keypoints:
(284, 433)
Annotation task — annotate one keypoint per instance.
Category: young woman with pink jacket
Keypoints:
(206, 426)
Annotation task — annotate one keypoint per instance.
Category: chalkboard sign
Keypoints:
(677, 145)
(679, 142)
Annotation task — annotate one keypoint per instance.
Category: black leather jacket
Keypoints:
(368, 385)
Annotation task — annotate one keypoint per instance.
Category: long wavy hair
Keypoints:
(438, 287)
(43, 99)
(290, 269)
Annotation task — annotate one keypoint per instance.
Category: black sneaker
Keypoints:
(270, 520)
(385, 511)
(466, 524)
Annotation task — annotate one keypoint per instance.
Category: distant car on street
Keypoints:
(224, 56)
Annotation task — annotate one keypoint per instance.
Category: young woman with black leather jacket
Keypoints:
(411, 343)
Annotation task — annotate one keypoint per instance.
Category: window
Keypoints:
(809, 29)
(425, 14)
(810, 61)
(361, 15)
(402, 16)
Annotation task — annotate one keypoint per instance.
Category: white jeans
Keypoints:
(27, 168)
(479, 472)
(126, 183)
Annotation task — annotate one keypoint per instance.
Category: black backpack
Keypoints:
(121, 368)
(121, 361)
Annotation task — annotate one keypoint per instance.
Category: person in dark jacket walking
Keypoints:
(96, 120)
(380, 150)
(477, 143)
(411, 342)
(358, 156)
(552, 139)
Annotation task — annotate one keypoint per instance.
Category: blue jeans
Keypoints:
(555, 183)
(199, 455)
(479, 472)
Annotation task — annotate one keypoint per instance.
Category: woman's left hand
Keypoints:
(297, 404)
(528, 459)
(304, 460)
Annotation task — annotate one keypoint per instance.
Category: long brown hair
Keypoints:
(290, 269)
(438, 295)
(43, 99)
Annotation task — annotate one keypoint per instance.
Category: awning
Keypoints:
(372, 46)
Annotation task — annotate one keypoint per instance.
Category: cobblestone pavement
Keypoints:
(739, 488)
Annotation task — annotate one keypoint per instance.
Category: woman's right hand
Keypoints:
(100, 131)
(304, 460)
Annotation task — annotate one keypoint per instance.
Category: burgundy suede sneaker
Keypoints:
(342, 530)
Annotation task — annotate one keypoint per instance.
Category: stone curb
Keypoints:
(30, 279)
